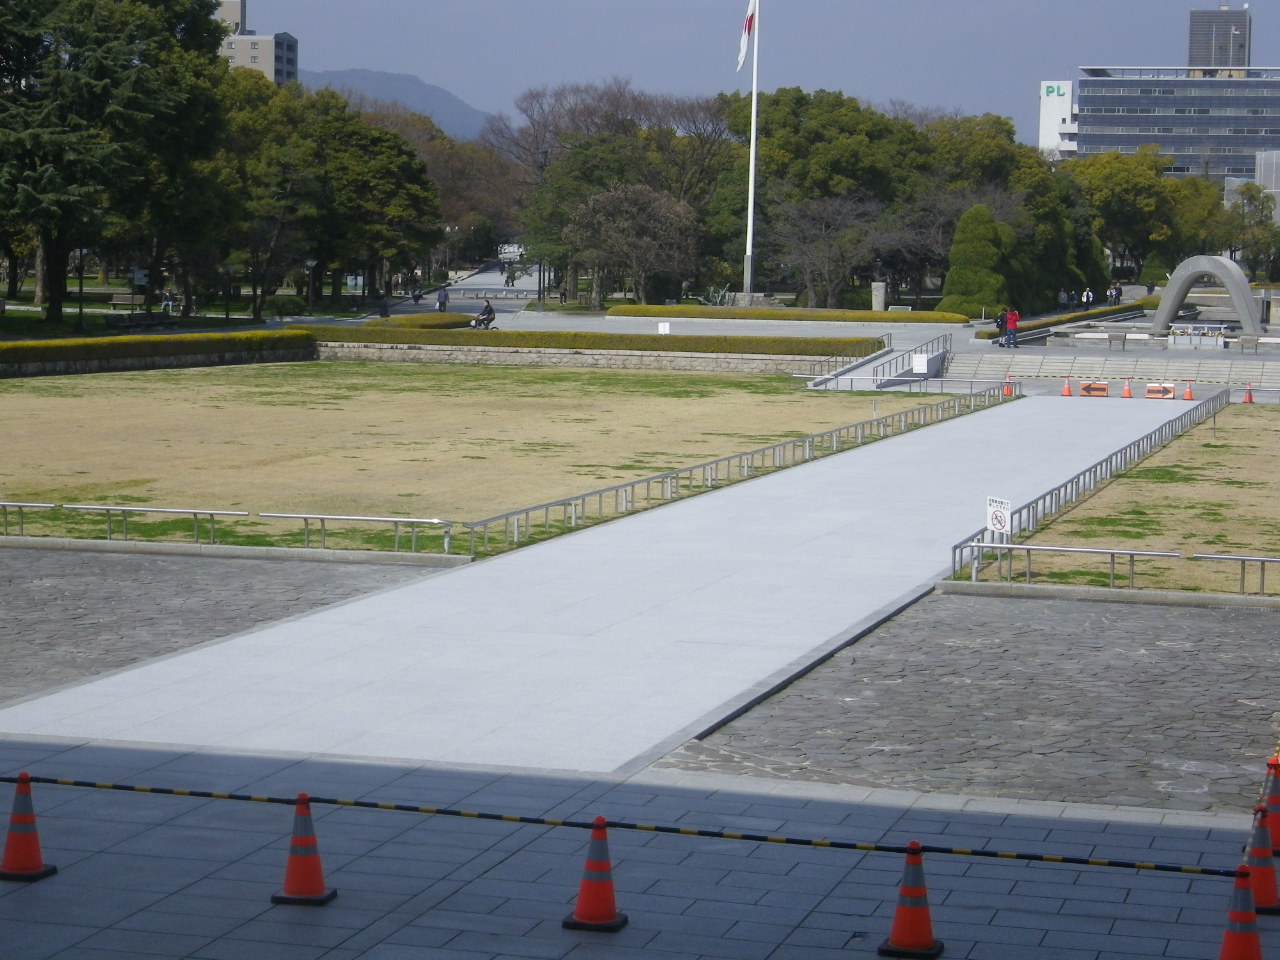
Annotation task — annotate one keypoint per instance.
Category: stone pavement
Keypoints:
(1041, 697)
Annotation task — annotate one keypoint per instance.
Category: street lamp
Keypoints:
(80, 253)
(226, 286)
(311, 266)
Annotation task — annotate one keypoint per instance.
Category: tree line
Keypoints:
(123, 132)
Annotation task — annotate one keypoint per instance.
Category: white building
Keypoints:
(276, 56)
(1058, 127)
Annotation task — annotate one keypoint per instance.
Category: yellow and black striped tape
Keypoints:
(647, 827)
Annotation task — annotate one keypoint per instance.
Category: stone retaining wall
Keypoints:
(54, 368)
(545, 357)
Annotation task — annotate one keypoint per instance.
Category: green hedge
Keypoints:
(536, 339)
(174, 345)
(788, 313)
(423, 321)
(1059, 319)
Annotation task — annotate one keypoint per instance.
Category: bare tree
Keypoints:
(826, 238)
(634, 229)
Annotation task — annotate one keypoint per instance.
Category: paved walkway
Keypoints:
(545, 683)
(673, 618)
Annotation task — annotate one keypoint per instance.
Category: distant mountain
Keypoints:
(455, 118)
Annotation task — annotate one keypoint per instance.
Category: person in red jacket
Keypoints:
(1011, 319)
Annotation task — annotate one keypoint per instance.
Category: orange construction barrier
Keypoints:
(596, 909)
(303, 877)
(1095, 388)
(1066, 387)
(1187, 395)
(1248, 393)
(1008, 386)
(22, 860)
(1126, 393)
(1266, 898)
(912, 931)
(1159, 391)
(1240, 939)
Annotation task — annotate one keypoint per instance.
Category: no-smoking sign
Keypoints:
(998, 511)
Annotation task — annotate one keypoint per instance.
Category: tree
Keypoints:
(87, 91)
(825, 239)
(975, 283)
(1130, 199)
(635, 229)
(1256, 233)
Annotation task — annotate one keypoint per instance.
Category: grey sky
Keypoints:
(983, 56)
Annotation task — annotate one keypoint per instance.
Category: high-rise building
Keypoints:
(276, 56)
(1219, 38)
(1210, 118)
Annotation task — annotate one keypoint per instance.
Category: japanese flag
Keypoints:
(748, 27)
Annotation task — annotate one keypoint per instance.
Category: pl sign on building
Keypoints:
(1057, 135)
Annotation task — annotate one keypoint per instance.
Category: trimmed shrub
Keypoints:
(655, 343)
(423, 321)
(974, 282)
(695, 312)
(285, 305)
(1060, 319)
(175, 345)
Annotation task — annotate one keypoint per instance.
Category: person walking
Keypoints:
(442, 299)
(1011, 319)
(1086, 299)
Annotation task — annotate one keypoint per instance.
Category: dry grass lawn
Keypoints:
(1216, 489)
(386, 439)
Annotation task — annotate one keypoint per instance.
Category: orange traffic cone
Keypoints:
(303, 877)
(1266, 898)
(1066, 387)
(1187, 395)
(912, 932)
(1008, 386)
(22, 859)
(596, 909)
(1248, 393)
(1126, 393)
(1240, 939)
(1271, 799)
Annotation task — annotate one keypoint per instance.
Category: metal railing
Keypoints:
(1112, 552)
(826, 365)
(21, 509)
(890, 368)
(194, 512)
(1029, 516)
(413, 523)
(557, 516)
(1243, 561)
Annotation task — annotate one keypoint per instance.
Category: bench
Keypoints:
(129, 300)
(137, 321)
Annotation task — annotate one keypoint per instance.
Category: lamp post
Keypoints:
(226, 286)
(311, 266)
(80, 252)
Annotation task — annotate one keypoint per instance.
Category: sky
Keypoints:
(980, 56)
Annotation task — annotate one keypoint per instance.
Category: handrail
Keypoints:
(195, 512)
(413, 523)
(1029, 515)
(21, 508)
(1260, 561)
(1112, 552)
(619, 499)
(895, 365)
(818, 368)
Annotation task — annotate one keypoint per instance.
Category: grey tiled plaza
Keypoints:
(568, 679)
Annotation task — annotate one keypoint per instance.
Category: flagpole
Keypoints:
(748, 267)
